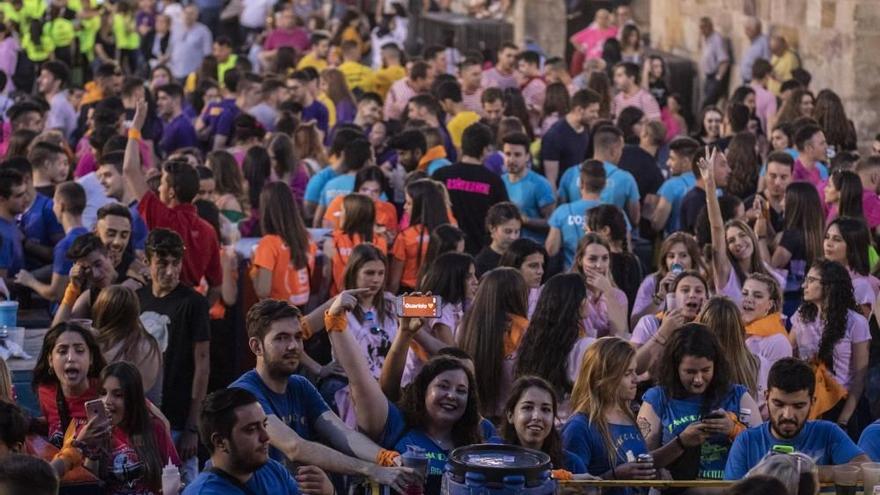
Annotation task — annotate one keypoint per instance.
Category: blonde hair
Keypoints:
(723, 317)
(596, 389)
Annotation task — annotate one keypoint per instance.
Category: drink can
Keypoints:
(645, 458)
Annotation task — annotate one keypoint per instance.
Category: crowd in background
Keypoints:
(618, 280)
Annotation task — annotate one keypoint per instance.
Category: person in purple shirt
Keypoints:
(313, 110)
(214, 127)
(177, 131)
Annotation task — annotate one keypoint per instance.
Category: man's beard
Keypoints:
(783, 435)
(278, 369)
(242, 463)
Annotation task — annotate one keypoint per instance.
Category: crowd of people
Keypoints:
(638, 294)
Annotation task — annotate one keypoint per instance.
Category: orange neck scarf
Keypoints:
(767, 326)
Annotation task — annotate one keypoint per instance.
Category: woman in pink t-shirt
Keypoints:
(828, 330)
(588, 42)
(606, 304)
(846, 242)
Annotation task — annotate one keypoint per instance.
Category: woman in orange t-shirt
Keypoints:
(285, 257)
(357, 218)
(491, 333)
(424, 205)
(371, 182)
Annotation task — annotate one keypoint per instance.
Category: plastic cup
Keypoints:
(846, 479)
(8, 313)
(871, 473)
(16, 334)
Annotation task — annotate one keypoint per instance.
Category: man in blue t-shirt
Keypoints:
(68, 205)
(13, 201)
(790, 388)
(667, 213)
(38, 223)
(356, 155)
(568, 220)
(298, 414)
(315, 187)
(235, 430)
(528, 190)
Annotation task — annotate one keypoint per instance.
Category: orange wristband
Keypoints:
(306, 329)
(562, 475)
(738, 427)
(134, 134)
(335, 323)
(71, 294)
(386, 458)
(71, 456)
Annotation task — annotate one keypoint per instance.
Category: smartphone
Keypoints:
(418, 306)
(714, 415)
(95, 408)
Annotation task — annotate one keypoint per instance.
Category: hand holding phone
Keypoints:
(418, 306)
(95, 409)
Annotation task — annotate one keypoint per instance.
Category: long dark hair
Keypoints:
(444, 239)
(466, 430)
(280, 216)
(137, 422)
(803, 212)
(228, 178)
(857, 237)
(849, 188)
(283, 154)
(553, 443)
(838, 300)
(428, 208)
(361, 255)
(627, 118)
(43, 374)
(744, 164)
(447, 277)
(831, 116)
(695, 339)
(553, 331)
(256, 167)
(502, 293)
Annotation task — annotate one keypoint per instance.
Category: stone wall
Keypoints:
(838, 41)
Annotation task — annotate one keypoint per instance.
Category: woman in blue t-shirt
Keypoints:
(437, 412)
(691, 418)
(528, 421)
(603, 433)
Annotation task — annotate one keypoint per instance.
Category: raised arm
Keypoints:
(395, 361)
(371, 405)
(135, 180)
(720, 262)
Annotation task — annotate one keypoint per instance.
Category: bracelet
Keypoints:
(71, 294)
(562, 475)
(335, 323)
(71, 456)
(679, 442)
(134, 134)
(387, 458)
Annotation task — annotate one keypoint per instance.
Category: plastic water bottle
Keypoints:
(170, 479)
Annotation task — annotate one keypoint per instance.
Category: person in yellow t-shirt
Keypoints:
(357, 75)
(783, 60)
(391, 71)
(317, 56)
(449, 95)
